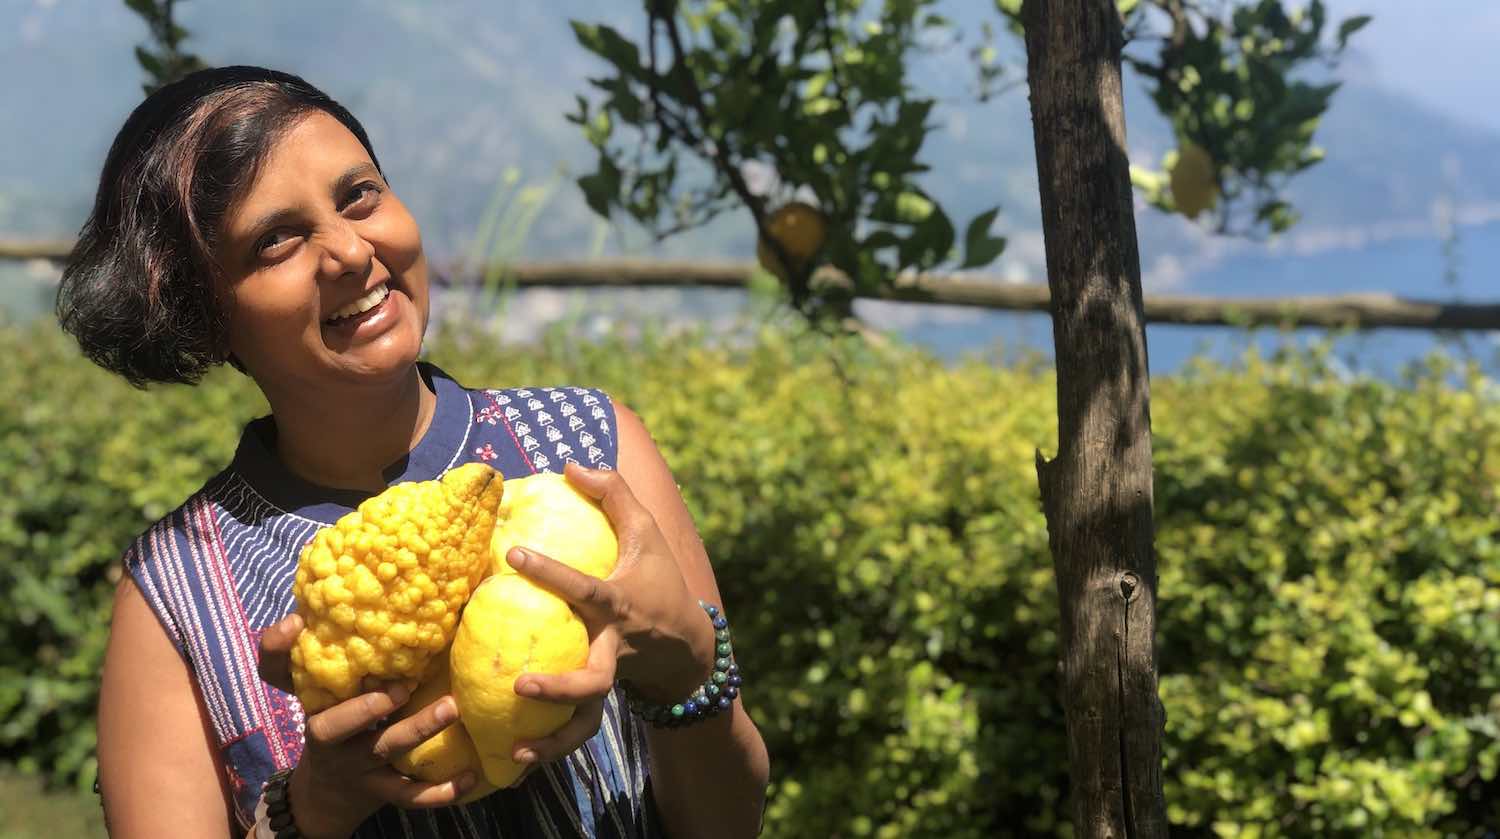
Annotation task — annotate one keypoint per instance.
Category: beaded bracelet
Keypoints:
(716, 694)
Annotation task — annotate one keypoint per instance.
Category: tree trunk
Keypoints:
(1096, 493)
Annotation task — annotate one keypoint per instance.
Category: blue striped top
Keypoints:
(219, 569)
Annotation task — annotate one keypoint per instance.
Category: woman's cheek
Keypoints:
(400, 234)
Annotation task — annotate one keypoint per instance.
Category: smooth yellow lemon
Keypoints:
(451, 752)
(545, 513)
(510, 627)
(1195, 185)
(800, 229)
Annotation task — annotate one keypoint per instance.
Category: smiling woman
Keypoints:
(242, 216)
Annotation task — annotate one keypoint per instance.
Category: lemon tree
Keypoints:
(818, 93)
(815, 94)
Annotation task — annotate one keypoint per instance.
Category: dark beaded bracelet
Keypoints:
(716, 694)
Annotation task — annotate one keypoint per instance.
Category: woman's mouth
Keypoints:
(362, 309)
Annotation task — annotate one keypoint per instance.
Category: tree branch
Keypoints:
(1368, 310)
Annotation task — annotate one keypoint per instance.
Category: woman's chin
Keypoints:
(379, 363)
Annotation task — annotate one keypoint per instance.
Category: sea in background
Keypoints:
(1407, 266)
(1416, 266)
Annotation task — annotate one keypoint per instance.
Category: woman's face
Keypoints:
(324, 265)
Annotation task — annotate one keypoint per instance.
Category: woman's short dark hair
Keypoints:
(139, 290)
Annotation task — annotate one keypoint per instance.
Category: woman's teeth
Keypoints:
(362, 305)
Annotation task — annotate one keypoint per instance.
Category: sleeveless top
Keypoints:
(219, 569)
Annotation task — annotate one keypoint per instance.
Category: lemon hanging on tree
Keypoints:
(800, 229)
(1194, 179)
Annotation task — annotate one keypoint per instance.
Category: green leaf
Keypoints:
(145, 8)
(150, 63)
(602, 188)
(1350, 26)
(880, 239)
(930, 240)
(980, 248)
(608, 44)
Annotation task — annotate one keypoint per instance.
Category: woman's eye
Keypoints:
(273, 243)
(362, 197)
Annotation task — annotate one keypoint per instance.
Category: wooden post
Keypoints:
(1097, 492)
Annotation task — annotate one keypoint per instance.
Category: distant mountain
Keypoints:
(455, 93)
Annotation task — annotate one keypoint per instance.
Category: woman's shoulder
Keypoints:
(184, 522)
(166, 558)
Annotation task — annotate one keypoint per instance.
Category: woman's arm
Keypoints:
(708, 779)
(159, 773)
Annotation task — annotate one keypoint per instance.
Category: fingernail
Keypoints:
(463, 783)
(399, 694)
(447, 711)
(517, 557)
(528, 689)
(525, 756)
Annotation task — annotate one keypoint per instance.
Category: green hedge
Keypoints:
(1329, 557)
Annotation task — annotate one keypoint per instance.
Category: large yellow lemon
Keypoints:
(545, 513)
(800, 229)
(1195, 184)
(452, 751)
(510, 627)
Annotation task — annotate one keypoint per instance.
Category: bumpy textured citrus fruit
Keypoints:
(1195, 184)
(382, 589)
(800, 229)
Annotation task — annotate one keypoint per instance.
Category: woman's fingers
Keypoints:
(613, 494)
(353, 716)
(585, 689)
(395, 788)
(276, 643)
(594, 680)
(402, 737)
(595, 599)
(559, 744)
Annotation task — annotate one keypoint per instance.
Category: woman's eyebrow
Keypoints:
(275, 218)
(352, 174)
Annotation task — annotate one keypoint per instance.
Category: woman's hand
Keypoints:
(345, 774)
(643, 615)
(584, 689)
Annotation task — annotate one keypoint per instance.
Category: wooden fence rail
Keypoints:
(1358, 311)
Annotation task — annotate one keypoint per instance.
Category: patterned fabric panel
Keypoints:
(181, 567)
(548, 427)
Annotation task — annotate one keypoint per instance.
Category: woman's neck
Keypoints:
(345, 439)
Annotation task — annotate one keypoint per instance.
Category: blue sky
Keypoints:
(1445, 53)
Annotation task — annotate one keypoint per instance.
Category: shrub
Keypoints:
(1330, 580)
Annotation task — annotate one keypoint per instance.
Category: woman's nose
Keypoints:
(346, 251)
